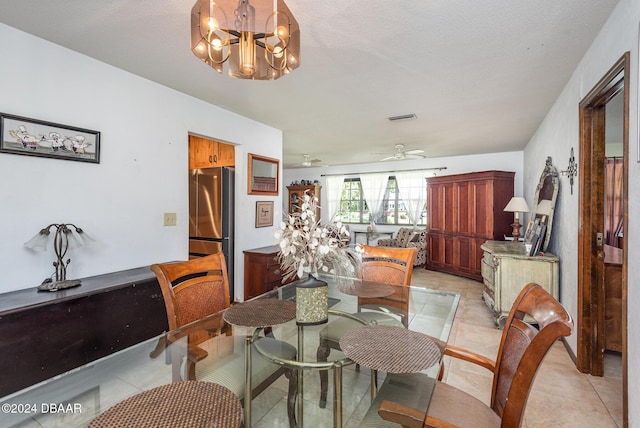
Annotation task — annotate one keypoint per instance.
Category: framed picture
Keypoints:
(264, 213)
(538, 239)
(24, 136)
(530, 232)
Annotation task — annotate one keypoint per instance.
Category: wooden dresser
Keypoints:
(463, 211)
(506, 269)
(262, 271)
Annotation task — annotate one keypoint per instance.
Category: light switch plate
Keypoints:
(170, 219)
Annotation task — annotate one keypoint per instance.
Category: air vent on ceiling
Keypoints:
(402, 117)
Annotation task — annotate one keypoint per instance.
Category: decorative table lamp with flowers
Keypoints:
(308, 249)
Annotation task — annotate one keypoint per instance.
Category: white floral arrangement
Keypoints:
(306, 247)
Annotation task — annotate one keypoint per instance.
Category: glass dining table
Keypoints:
(76, 397)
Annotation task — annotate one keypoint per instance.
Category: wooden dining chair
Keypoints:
(196, 289)
(387, 265)
(523, 345)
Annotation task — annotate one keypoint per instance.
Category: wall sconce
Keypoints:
(67, 236)
(572, 169)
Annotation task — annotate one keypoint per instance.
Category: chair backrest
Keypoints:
(393, 266)
(387, 264)
(522, 348)
(193, 289)
(404, 235)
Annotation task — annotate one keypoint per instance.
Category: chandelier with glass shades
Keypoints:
(258, 39)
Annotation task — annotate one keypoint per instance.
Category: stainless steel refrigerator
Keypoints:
(211, 202)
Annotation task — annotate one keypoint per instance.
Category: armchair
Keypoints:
(522, 348)
(409, 238)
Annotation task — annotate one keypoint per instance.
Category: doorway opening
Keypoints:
(594, 249)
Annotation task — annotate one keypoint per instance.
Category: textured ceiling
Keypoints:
(479, 75)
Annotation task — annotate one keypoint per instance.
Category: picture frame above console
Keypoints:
(33, 137)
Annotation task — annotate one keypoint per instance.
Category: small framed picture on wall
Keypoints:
(264, 213)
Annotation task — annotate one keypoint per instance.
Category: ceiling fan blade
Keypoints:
(401, 155)
(308, 163)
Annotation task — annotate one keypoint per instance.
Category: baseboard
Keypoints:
(569, 350)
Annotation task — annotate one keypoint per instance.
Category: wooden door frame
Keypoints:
(590, 322)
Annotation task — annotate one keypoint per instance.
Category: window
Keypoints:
(354, 209)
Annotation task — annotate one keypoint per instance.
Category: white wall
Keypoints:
(555, 137)
(507, 161)
(143, 164)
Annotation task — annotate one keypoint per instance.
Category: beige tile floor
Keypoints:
(561, 396)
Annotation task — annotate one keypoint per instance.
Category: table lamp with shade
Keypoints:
(66, 236)
(517, 205)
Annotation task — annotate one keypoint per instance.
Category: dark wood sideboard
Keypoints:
(262, 271)
(44, 334)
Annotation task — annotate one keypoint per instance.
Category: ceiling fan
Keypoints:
(401, 155)
(307, 162)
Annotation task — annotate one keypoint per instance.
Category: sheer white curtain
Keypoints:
(413, 192)
(334, 185)
(373, 188)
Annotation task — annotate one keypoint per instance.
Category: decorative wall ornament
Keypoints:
(572, 169)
